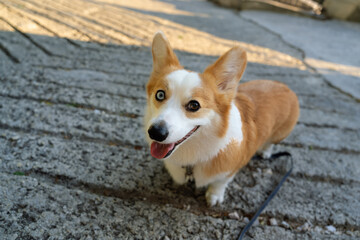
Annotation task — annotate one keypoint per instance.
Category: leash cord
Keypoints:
(273, 193)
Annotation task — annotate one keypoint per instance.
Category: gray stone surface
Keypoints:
(73, 160)
(322, 43)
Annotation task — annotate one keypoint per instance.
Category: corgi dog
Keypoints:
(210, 122)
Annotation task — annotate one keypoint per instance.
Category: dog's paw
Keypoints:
(266, 153)
(214, 198)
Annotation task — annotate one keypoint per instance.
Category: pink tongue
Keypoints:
(159, 150)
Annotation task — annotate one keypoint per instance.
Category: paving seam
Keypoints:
(11, 9)
(69, 136)
(8, 53)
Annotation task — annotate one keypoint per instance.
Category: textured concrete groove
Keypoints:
(69, 136)
(107, 69)
(83, 24)
(328, 104)
(50, 101)
(74, 129)
(8, 54)
(54, 33)
(104, 24)
(316, 125)
(20, 47)
(300, 145)
(32, 11)
(118, 80)
(326, 179)
(29, 38)
(89, 99)
(110, 88)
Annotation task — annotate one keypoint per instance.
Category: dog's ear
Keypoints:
(228, 69)
(163, 55)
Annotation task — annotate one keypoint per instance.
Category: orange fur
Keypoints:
(269, 111)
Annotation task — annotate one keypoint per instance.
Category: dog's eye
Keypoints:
(193, 106)
(160, 95)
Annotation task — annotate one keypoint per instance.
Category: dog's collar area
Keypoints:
(189, 173)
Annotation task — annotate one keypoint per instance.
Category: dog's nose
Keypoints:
(158, 131)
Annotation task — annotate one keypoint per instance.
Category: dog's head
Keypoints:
(182, 104)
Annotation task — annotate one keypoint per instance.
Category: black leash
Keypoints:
(273, 193)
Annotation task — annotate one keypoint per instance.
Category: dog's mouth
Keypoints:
(159, 150)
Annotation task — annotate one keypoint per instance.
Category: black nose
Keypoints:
(158, 131)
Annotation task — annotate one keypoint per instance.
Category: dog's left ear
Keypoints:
(163, 55)
(228, 69)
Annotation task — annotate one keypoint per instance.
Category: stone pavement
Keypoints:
(73, 160)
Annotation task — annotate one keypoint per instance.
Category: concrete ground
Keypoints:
(73, 160)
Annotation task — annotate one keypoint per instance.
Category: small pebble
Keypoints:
(318, 229)
(15, 138)
(246, 220)
(234, 215)
(273, 222)
(304, 227)
(217, 234)
(331, 228)
(268, 171)
(96, 111)
(166, 238)
(285, 224)
(40, 143)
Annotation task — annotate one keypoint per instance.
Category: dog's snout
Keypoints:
(158, 131)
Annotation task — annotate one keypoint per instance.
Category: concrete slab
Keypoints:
(337, 62)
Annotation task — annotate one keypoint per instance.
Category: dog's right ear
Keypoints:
(228, 69)
(163, 55)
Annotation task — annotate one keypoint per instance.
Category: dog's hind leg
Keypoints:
(266, 151)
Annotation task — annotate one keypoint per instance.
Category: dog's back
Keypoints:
(269, 111)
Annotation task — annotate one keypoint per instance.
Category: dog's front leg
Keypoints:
(216, 190)
(177, 172)
(216, 185)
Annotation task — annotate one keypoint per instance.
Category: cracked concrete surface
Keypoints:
(73, 160)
